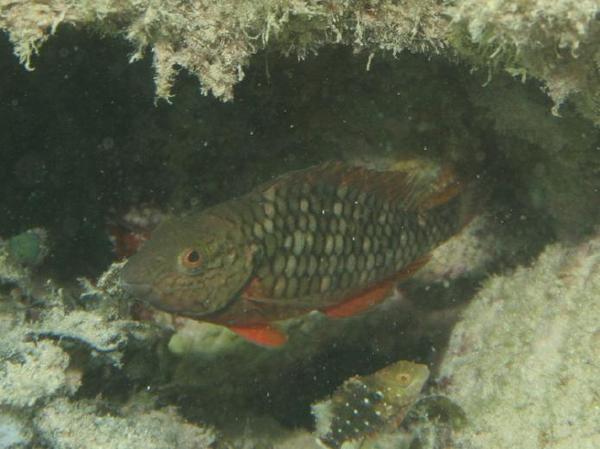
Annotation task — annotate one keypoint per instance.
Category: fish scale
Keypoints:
(332, 238)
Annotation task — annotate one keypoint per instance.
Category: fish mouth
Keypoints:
(146, 293)
(141, 291)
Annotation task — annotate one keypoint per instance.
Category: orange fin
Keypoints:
(411, 268)
(362, 302)
(261, 334)
(375, 294)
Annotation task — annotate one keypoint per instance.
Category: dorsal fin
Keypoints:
(395, 185)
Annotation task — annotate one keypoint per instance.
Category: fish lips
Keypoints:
(141, 291)
(146, 293)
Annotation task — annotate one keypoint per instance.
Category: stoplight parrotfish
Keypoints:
(334, 238)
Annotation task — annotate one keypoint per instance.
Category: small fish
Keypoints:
(334, 237)
(365, 405)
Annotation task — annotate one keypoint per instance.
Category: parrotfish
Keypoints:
(334, 238)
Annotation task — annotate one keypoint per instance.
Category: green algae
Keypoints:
(28, 248)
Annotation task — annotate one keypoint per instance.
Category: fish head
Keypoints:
(193, 266)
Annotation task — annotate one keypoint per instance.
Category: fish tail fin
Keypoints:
(464, 197)
(472, 200)
(454, 199)
(441, 189)
(445, 188)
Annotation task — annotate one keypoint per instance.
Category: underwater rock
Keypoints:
(366, 405)
(37, 340)
(13, 432)
(556, 158)
(523, 362)
(31, 372)
(81, 425)
(215, 40)
(470, 253)
(553, 41)
(37, 372)
(556, 42)
(60, 345)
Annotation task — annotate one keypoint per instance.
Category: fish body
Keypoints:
(334, 238)
(366, 405)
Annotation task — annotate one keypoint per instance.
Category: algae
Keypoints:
(552, 41)
(28, 248)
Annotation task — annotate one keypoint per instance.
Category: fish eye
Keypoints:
(190, 258)
(404, 378)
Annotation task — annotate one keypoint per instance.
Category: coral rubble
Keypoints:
(50, 343)
(13, 432)
(66, 425)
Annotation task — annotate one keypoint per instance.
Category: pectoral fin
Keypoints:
(261, 334)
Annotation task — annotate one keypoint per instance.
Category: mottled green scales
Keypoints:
(319, 238)
(329, 237)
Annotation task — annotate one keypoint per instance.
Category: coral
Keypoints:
(65, 425)
(523, 361)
